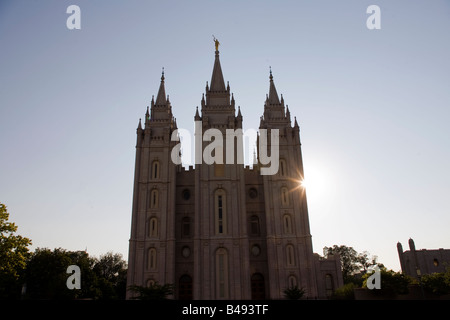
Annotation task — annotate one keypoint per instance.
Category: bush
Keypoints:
(294, 293)
(346, 292)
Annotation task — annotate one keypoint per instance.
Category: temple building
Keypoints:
(223, 230)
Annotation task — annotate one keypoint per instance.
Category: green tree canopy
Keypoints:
(352, 262)
(13, 256)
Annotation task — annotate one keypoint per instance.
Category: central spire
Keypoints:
(217, 82)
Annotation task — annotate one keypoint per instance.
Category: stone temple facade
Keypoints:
(223, 230)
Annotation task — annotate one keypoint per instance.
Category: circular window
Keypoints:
(186, 252)
(256, 250)
(186, 194)
(252, 193)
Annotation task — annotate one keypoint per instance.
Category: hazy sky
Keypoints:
(373, 108)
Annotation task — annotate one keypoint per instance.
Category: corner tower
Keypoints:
(289, 242)
(151, 247)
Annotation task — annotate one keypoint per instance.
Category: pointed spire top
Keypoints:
(139, 125)
(161, 97)
(217, 81)
(273, 95)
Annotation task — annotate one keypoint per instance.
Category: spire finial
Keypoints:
(216, 43)
(162, 74)
(270, 71)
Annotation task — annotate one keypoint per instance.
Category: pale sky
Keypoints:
(373, 108)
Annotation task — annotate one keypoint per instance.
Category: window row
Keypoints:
(254, 224)
(219, 202)
(152, 227)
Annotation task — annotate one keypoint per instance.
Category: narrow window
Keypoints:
(154, 197)
(283, 168)
(153, 227)
(287, 224)
(290, 255)
(151, 261)
(329, 285)
(284, 197)
(220, 212)
(222, 274)
(155, 170)
(185, 227)
(254, 226)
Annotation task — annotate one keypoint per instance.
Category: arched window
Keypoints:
(151, 259)
(254, 226)
(290, 255)
(186, 227)
(155, 169)
(154, 199)
(152, 230)
(185, 287)
(222, 273)
(258, 287)
(283, 168)
(328, 284)
(150, 282)
(287, 223)
(220, 211)
(292, 281)
(284, 197)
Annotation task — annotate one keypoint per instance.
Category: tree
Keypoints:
(46, 274)
(103, 278)
(111, 272)
(155, 291)
(392, 282)
(352, 262)
(13, 256)
(437, 283)
(294, 293)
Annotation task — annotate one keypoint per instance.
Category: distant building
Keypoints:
(223, 231)
(424, 261)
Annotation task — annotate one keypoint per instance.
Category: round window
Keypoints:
(186, 194)
(186, 252)
(252, 193)
(256, 250)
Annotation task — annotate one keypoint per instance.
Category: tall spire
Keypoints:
(161, 97)
(273, 95)
(217, 82)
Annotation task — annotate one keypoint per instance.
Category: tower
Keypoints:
(289, 243)
(151, 251)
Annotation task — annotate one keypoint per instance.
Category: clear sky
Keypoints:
(373, 108)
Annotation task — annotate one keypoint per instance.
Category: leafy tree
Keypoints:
(103, 278)
(352, 262)
(13, 256)
(46, 274)
(155, 291)
(437, 283)
(294, 293)
(391, 282)
(346, 292)
(111, 272)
